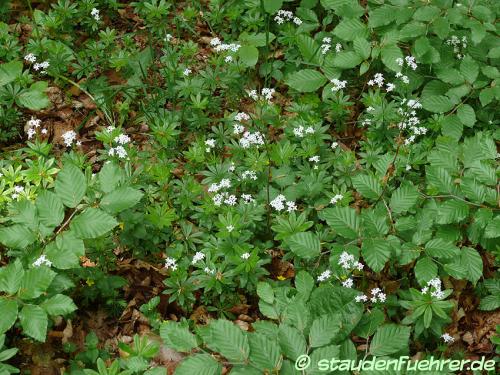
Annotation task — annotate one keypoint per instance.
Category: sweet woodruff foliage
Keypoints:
(352, 143)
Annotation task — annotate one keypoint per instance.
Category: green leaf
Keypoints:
(304, 283)
(35, 97)
(228, 340)
(323, 330)
(121, 199)
(376, 252)
(8, 307)
(403, 198)
(272, 6)
(452, 127)
(343, 220)
(492, 230)
(110, 177)
(292, 341)
(325, 352)
(265, 292)
(390, 54)
(16, 236)
(10, 71)
(305, 244)
(473, 264)
(11, 276)
(265, 353)
(347, 60)
(425, 270)
(362, 47)
(369, 323)
(489, 303)
(249, 55)
(350, 28)
(66, 251)
(308, 48)
(34, 322)
(70, 185)
(50, 209)
(199, 364)
(35, 282)
(437, 103)
(452, 211)
(368, 185)
(92, 223)
(58, 304)
(440, 248)
(177, 336)
(469, 69)
(466, 115)
(390, 339)
(306, 80)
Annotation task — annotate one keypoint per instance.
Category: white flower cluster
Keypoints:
(458, 45)
(447, 338)
(252, 139)
(434, 287)
(17, 190)
(245, 256)
(410, 61)
(224, 183)
(334, 145)
(403, 77)
(170, 263)
(224, 197)
(267, 93)
(410, 120)
(249, 175)
(222, 47)
(31, 58)
(338, 84)
(376, 296)
(230, 228)
(210, 143)
(197, 257)
(187, 72)
(285, 15)
(42, 260)
(346, 261)
(209, 270)
(247, 198)
(327, 45)
(240, 116)
(378, 79)
(121, 140)
(95, 14)
(300, 131)
(69, 137)
(34, 124)
(336, 198)
(279, 203)
(349, 283)
(325, 275)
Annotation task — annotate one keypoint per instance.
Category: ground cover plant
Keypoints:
(243, 186)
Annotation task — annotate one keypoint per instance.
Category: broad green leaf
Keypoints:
(16, 236)
(35, 97)
(325, 352)
(440, 248)
(473, 264)
(306, 80)
(8, 307)
(11, 276)
(469, 69)
(58, 304)
(390, 339)
(35, 282)
(425, 270)
(376, 252)
(347, 60)
(292, 341)
(229, 340)
(34, 322)
(362, 48)
(466, 115)
(265, 292)
(199, 364)
(308, 47)
(265, 353)
(272, 6)
(368, 185)
(121, 199)
(304, 283)
(50, 209)
(390, 54)
(177, 336)
(92, 223)
(110, 177)
(249, 55)
(369, 323)
(489, 303)
(350, 28)
(305, 244)
(343, 220)
(492, 230)
(452, 211)
(438, 104)
(66, 251)
(323, 330)
(70, 185)
(403, 198)
(10, 71)
(452, 127)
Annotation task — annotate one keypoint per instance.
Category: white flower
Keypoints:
(168, 37)
(378, 79)
(408, 167)
(334, 145)
(247, 198)
(290, 206)
(209, 271)
(230, 228)
(336, 198)
(110, 128)
(278, 203)
(30, 58)
(348, 283)
(447, 338)
(41, 66)
(18, 189)
(382, 297)
(238, 129)
(31, 133)
(250, 139)
(400, 61)
(253, 94)
(297, 21)
(69, 137)
(346, 260)
(338, 47)
(122, 139)
(232, 167)
(95, 13)
(325, 275)
(245, 256)
(242, 116)
(314, 159)
(370, 109)
(390, 87)
(361, 298)
(42, 260)
(210, 143)
(249, 175)
(410, 60)
(170, 263)
(337, 84)
(197, 257)
(267, 93)
(215, 42)
(228, 59)
(187, 72)
(230, 200)
(299, 131)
